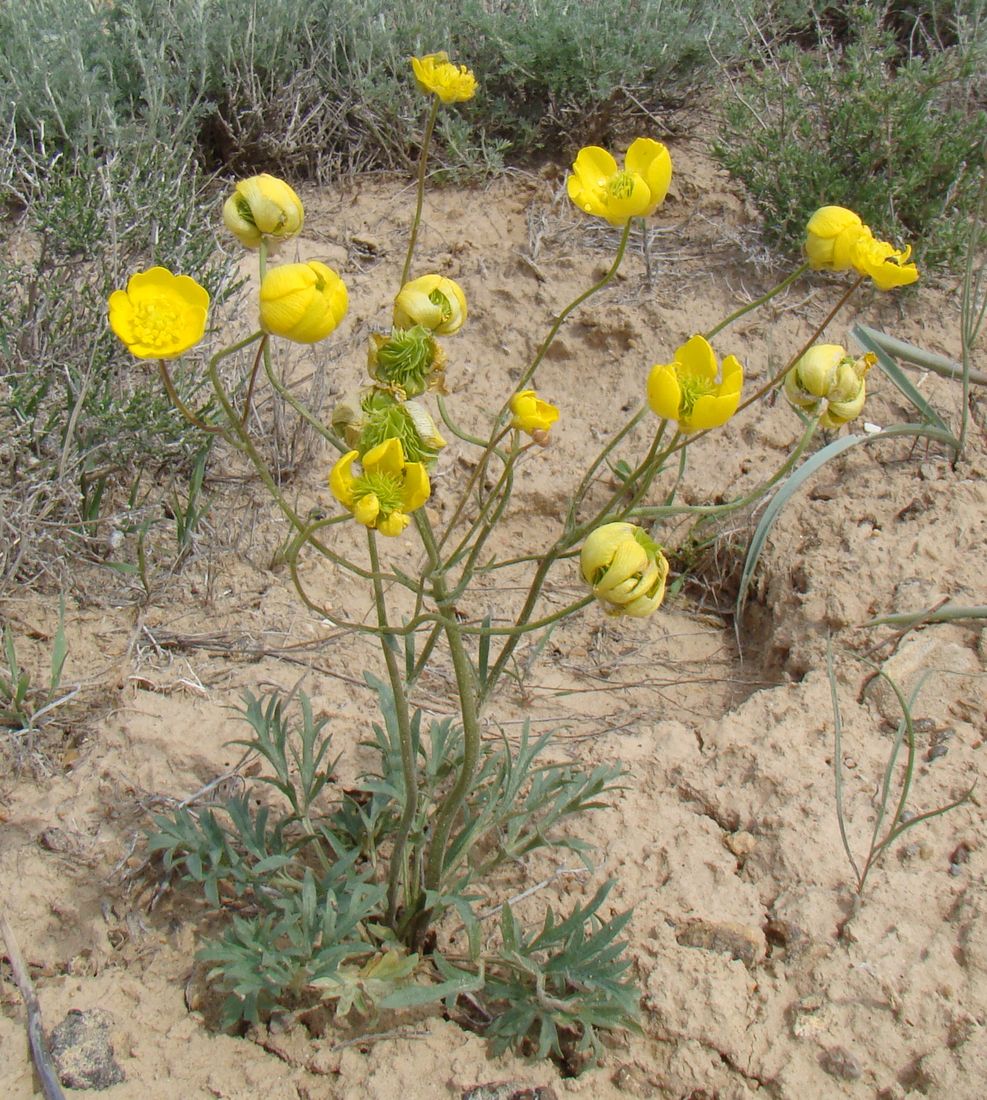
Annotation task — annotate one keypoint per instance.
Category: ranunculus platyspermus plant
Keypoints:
(351, 901)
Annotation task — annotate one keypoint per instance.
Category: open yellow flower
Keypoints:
(625, 568)
(388, 489)
(828, 383)
(599, 187)
(302, 302)
(837, 240)
(263, 206)
(159, 315)
(532, 415)
(436, 75)
(886, 265)
(686, 390)
(432, 301)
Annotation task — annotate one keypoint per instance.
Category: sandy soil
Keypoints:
(759, 975)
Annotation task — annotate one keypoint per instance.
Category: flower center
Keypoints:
(693, 387)
(387, 419)
(385, 487)
(621, 186)
(155, 323)
(437, 298)
(407, 358)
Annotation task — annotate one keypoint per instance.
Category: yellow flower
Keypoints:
(886, 265)
(687, 390)
(432, 301)
(263, 206)
(828, 383)
(435, 74)
(597, 186)
(302, 302)
(830, 236)
(625, 568)
(837, 240)
(159, 315)
(533, 416)
(386, 492)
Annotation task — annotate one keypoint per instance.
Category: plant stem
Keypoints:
(422, 161)
(398, 872)
(758, 302)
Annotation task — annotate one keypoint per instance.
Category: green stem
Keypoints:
(306, 414)
(398, 870)
(758, 302)
(422, 161)
(583, 488)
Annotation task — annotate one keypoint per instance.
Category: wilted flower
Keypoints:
(532, 415)
(435, 74)
(302, 302)
(432, 301)
(159, 315)
(409, 360)
(625, 568)
(368, 419)
(387, 490)
(837, 240)
(686, 390)
(828, 383)
(263, 206)
(599, 187)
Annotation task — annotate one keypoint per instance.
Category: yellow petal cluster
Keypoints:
(600, 187)
(436, 75)
(828, 383)
(159, 315)
(388, 489)
(687, 389)
(302, 302)
(263, 206)
(837, 240)
(532, 415)
(432, 301)
(625, 568)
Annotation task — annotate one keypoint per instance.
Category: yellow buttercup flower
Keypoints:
(302, 302)
(436, 75)
(828, 383)
(830, 236)
(159, 315)
(686, 390)
(532, 415)
(599, 187)
(263, 206)
(432, 301)
(625, 568)
(388, 489)
(837, 240)
(886, 265)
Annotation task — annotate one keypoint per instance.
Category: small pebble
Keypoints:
(839, 1062)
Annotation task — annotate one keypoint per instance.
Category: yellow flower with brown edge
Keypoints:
(828, 383)
(436, 75)
(263, 206)
(687, 389)
(532, 415)
(159, 315)
(625, 568)
(432, 301)
(599, 186)
(302, 302)
(387, 490)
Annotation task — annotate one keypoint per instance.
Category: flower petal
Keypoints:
(664, 391)
(341, 478)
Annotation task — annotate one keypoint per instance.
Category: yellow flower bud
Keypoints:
(828, 383)
(436, 75)
(532, 415)
(830, 235)
(159, 315)
(625, 568)
(432, 301)
(263, 206)
(302, 302)
(599, 187)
